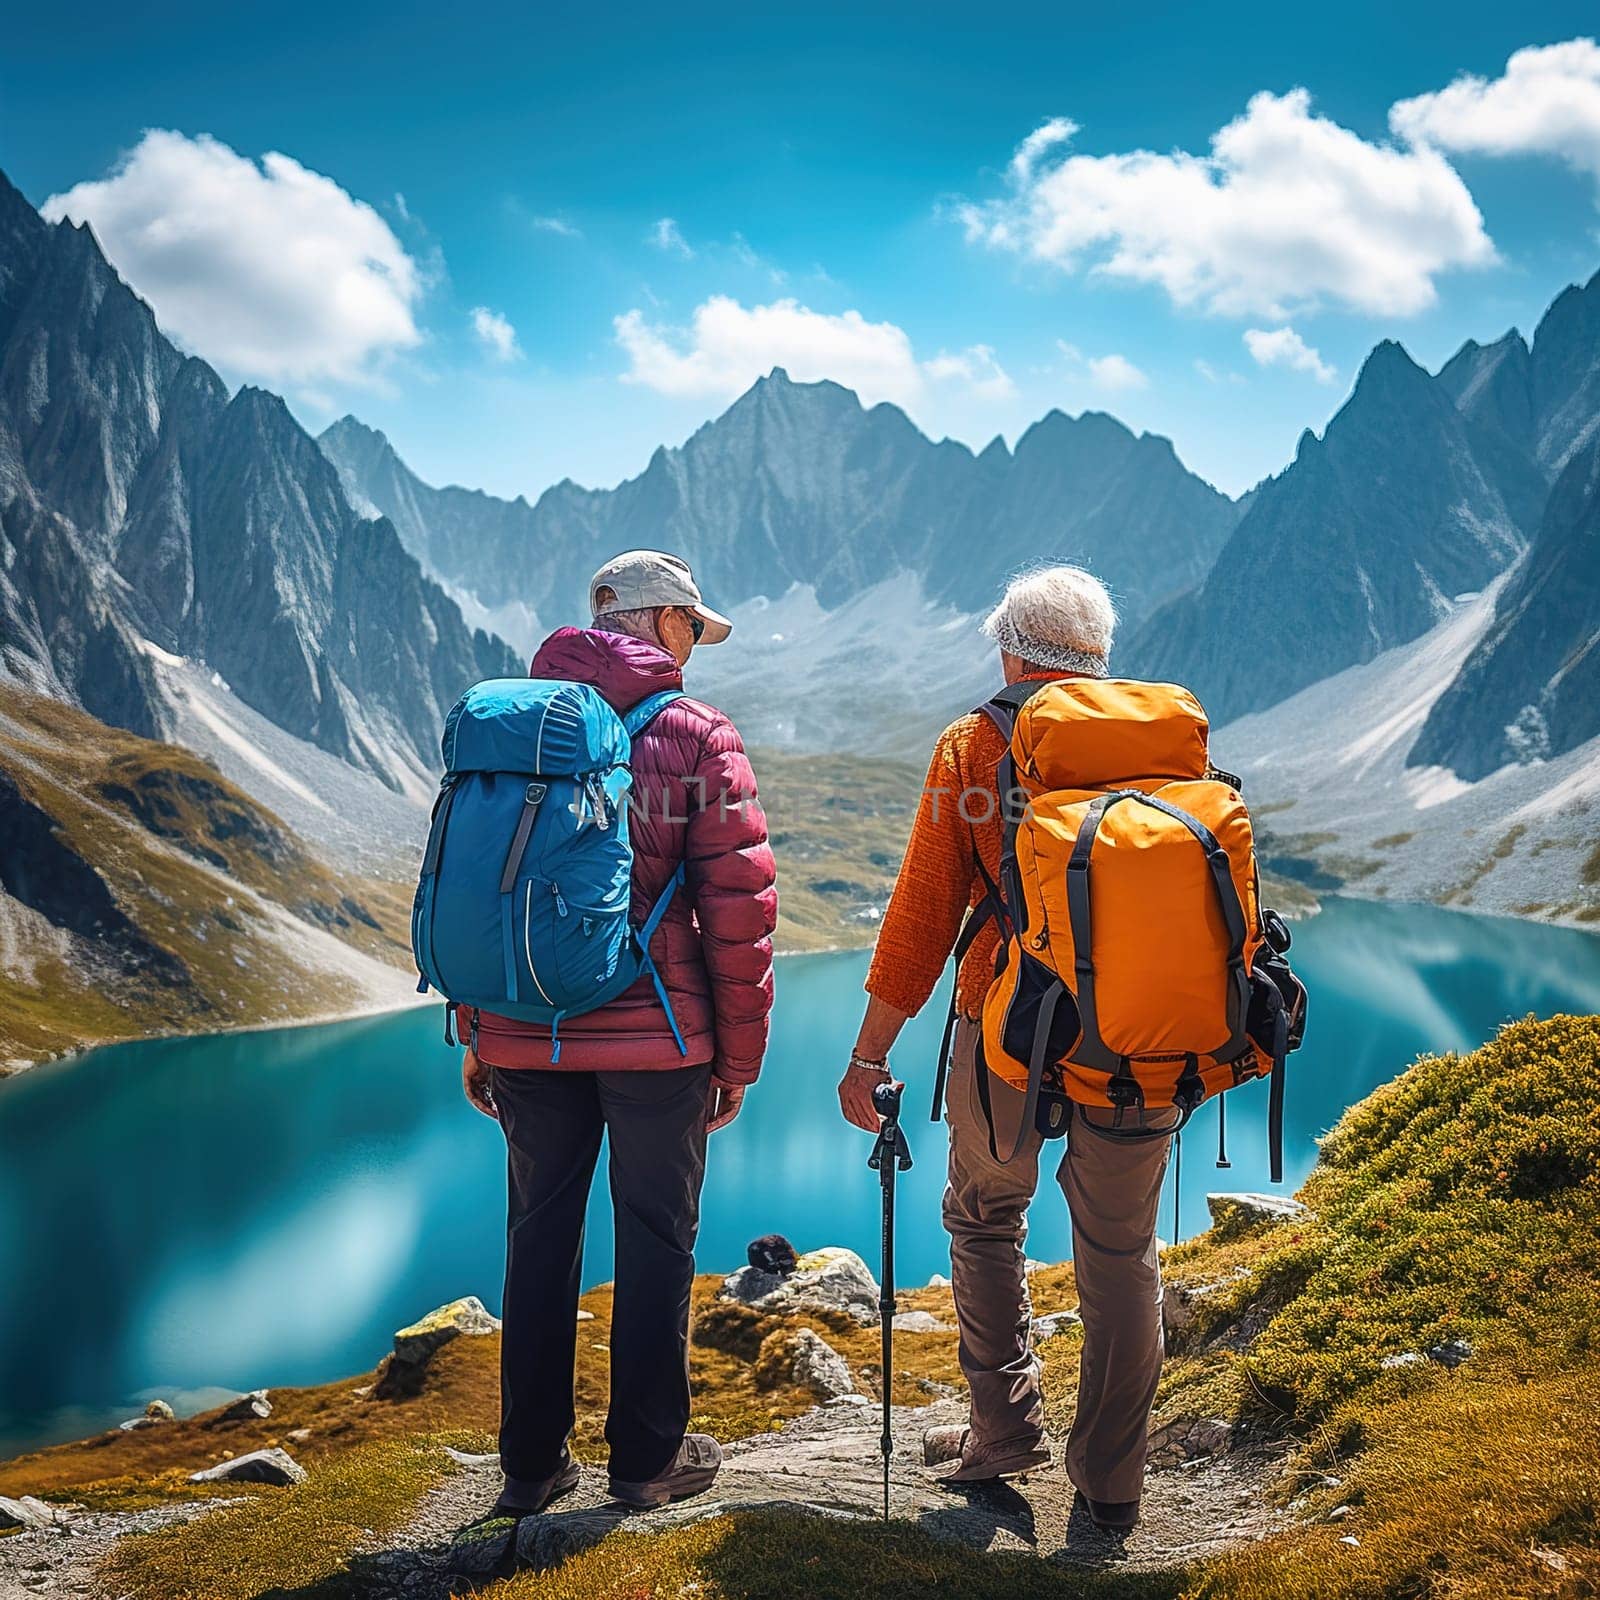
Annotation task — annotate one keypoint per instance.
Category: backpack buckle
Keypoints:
(1124, 1092)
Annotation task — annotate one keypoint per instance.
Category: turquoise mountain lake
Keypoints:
(185, 1216)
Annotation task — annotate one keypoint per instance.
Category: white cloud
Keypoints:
(665, 235)
(1113, 372)
(273, 271)
(495, 333)
(978, 367)
(556, 225)
(728, 346)
(1116, 373)
(1289, 210)
(1283, 347)
(1547, 102)
(1206, 370)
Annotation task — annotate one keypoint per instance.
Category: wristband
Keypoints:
(881, 1067)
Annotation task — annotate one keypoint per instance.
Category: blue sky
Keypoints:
(468, 243)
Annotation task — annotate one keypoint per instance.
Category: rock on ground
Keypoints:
(1053, 1323)
(153, 1415)
(260, 1466)
(1182, 1302)
(468, 1315)
(1234, 1214)
(918, 1322)
(819, 1368)
(1187, 1439)
(831, 1279)
(247, 1408)
(26, 1512)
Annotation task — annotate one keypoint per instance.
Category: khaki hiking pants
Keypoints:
(1112, 1187)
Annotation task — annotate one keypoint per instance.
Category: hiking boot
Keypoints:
(691, 1471)
(1005, 1460)
(940, 1445)
(1110, 1516)
(527, 1497)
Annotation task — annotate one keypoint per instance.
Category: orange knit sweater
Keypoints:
(957, 819)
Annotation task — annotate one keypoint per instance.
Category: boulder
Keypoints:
(467, 1316)
(260, 1466)
(26, 1512)
(802, 1357)
(831, 1279)
(153, 1415)
(1451, 1353)
(1236, 1214)
(749, 1286)
(1053, 1323)
(247, 1408)
(1188, 1438)
(1181, 1303)
(1402, 1359)
(819, 1368)
(918, 1322)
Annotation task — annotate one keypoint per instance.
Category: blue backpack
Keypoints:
(522, 904)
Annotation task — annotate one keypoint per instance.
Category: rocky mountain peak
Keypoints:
(148, 505)
(1389, 376)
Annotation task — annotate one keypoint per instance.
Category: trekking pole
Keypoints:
(891, 1154)
(1177, 1188)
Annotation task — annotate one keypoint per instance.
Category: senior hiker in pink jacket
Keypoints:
(621, 1072)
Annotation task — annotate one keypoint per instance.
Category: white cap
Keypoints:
(642, 580)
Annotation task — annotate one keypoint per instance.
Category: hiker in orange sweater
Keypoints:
(1053, 623)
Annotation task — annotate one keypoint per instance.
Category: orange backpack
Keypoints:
(1137, 968)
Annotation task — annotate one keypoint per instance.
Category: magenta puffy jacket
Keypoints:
(694, 800)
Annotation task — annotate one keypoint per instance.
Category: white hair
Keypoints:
(1057, 618)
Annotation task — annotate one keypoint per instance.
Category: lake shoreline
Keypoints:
(13, 1070)
(1298, 914)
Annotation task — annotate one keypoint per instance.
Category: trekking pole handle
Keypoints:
(891, 1150)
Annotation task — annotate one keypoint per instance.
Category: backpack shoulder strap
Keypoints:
(1001, 709)
(639, 717)
(1002, 706)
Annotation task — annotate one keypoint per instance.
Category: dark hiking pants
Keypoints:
(553, 1122)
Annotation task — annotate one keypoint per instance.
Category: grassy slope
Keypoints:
(1463, 1200)
(198, 868)
(839, 826)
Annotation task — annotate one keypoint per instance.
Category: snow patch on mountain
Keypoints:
(880, 674)
(1325, 774)
(349, 815)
